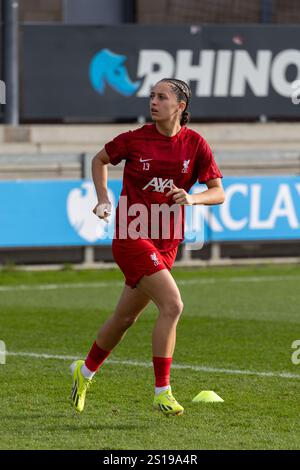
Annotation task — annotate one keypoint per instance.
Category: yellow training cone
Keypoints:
(207, 396)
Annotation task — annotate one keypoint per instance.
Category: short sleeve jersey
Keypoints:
(153, 164)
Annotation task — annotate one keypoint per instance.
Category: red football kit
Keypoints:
(149, 225)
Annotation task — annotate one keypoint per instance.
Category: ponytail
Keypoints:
(185, 117)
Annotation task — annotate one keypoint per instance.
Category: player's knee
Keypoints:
(173, 309)
(126, 321)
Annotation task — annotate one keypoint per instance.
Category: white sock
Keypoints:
(87, 373)
(159, 390)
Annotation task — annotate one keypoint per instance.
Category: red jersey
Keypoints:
(154, 162)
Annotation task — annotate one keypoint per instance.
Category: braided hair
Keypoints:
(183, 93)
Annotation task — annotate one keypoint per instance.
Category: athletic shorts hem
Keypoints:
(141, 258)
(133, 284)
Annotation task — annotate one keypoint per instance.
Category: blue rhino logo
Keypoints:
(107, 67)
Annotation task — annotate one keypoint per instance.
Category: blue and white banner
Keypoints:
(256, 208)
(59, 213)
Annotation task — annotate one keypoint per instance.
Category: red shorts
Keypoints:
(138, 258)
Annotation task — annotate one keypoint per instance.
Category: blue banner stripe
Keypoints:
(59, 213)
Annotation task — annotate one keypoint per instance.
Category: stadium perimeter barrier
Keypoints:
(58, 213)
(87, 74)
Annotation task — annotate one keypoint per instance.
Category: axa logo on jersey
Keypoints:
(159, 184)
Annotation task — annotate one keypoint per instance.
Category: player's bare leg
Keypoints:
(162, 289)
(131, 304)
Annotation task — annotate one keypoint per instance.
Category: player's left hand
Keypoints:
(180, 196)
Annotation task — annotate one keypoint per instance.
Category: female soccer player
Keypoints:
(163, 160)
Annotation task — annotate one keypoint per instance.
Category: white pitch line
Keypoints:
(284, 375)
(82, 285)
(182, 282)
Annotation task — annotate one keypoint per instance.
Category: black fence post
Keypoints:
(11, 61)
(128, 11)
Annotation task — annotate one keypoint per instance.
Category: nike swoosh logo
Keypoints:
(147, 160)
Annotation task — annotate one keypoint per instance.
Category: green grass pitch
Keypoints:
(234, 337)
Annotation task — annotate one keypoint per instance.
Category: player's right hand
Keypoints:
(103, 211)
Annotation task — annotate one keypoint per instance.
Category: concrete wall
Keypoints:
(214, 11)
(72, 11)
(158, 11)
(41, 10)
(55, 151)
(83, 138)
